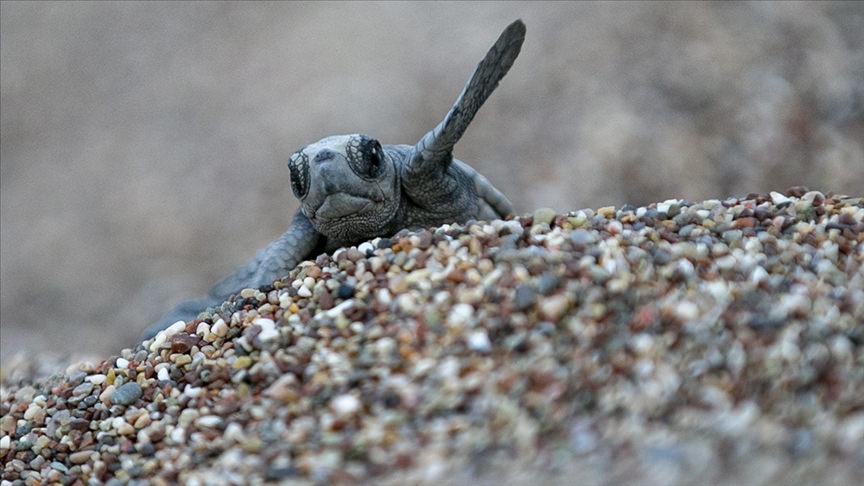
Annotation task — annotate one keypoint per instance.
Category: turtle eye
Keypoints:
(376, 158)
(298, 164)
(365, 156)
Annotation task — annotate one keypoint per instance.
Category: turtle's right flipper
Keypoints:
(273, 262)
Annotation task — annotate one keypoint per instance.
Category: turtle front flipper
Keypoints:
(273, 262)
(430, 158)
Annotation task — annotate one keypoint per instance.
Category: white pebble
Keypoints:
(345, 405)
(384, 297)
(178, 435)
(174, 328)
(234, 432)
(220, 328)
(460, 314)
(304, 292)
(203, 329)
(339, 309)
(268, 329)
(284, 300)
(209, 421)
(163, 375)
(5, 442)
(365, 248)
(96, 379)
(121, 363)
(479, 341)
(686, 310)
(758, 275)
(778, 198)
(193, 392)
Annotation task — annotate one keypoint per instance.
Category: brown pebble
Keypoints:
(325, 301)
(182, 343)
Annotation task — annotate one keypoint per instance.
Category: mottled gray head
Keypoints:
(347, 186)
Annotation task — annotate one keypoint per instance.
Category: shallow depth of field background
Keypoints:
(144, 145)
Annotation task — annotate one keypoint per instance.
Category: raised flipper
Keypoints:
(433, 153)
(271, 263)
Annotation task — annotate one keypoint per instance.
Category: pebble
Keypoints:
(780, 200)
(220, 328)
(80, 457)
(268, 329)
(126, 394)
(628, 342)
(544, 216)
(525, 297)
(479, 341)
(345, 406)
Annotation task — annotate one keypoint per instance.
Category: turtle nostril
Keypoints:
(323, 155)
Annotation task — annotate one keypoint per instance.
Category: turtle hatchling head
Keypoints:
(347, 186)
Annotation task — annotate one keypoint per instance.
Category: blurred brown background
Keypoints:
(144, 145)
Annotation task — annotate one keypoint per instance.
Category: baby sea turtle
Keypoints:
(352, 188)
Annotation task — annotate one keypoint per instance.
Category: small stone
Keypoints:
(547, 283)
(345, 406)
(220, 328)
(123, 427)
(242, 362)
(209, 421)
(553, 308)
(97, 379)
(83, 389)
(285, 389)
(686, 311)
(544, 216)
(127, 394)
(607, 212)
(5, 442)
(268, 329)
(479, 341)
(581, 237)
(345, 291)
(142, 421)
(183, 343)
(525, 297)
(779, 199)
(460, 314)
(107, 393)
(80, 457)
(366, 248)
(304, 292)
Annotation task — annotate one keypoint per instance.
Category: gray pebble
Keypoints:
(547, 283)
(83, 389)
(525, 297)
(126, 394)
(582, 237)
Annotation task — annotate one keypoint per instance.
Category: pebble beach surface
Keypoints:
(678, 343)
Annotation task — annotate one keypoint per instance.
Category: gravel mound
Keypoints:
(671, 344)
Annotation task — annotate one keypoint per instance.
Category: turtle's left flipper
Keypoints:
(434, 152)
